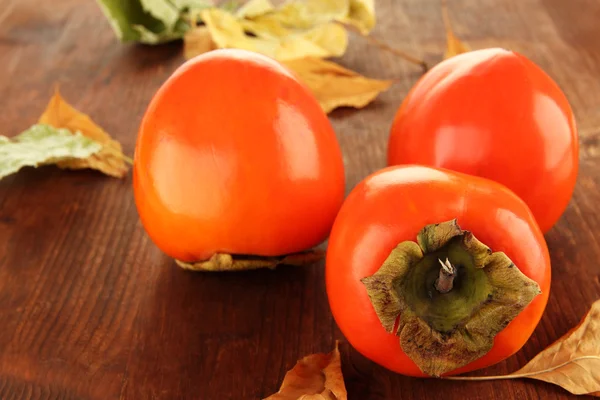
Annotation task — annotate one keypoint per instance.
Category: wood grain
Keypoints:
(91, 309)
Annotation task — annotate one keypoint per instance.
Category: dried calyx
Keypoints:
(448, 295)
(221, 262)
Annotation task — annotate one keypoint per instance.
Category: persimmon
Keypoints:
(495, 114)
(234, 155)
(431, 272)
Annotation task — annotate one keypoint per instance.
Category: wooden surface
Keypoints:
(91, 309)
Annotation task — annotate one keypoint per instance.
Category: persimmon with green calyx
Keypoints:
(235, 157)
(495, 114)
(431, 272)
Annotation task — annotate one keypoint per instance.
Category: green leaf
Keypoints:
(191, 4)
(43, 144)
(150, 21)
(162, 10)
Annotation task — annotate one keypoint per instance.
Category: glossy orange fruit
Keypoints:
(495, 114)
(234, 155)
(391, 206)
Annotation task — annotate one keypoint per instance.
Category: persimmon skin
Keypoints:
(235, 155)
(495, 114)
(391, 206)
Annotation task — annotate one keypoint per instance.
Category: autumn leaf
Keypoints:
(271, 38)
(315, 377)
(296, 29)
(454, 45)
(335, 86)
(254, 8)
(109, 160)
(361, 14)
(41, 145)
(572, 362)
(226, 262)
(304, 14)
(198, 41)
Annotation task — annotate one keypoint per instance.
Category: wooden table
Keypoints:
(91, 309)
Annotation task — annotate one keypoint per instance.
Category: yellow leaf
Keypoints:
(227, 32)
(328, 40)
(198, 41)
(308, 13)
(254, 8)
(320, 41)
(315, 377)
(303, 14)
(361, 14)
(109, 160)
(335, 86)
(572, 362)
(454, 45)
(266, 27)
(332, 37)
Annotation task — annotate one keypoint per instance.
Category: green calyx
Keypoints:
(446, 296)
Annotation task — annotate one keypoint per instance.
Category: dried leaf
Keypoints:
(361, 14)
(198, 41)
(272, 38)
(335, 86)
(454, 45)
(315, 377)
(221, 262)
(41, 145)
(109, 160)
(309, 13)
(304, 14)
(572, 362)
(254, 8)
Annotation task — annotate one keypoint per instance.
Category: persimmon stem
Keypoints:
(445, 280)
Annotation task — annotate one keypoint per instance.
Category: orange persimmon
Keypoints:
(495, 114)
(431, 272)
(234, 155)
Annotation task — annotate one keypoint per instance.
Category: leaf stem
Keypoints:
(384, 46)
(517, 376)
(446, 18)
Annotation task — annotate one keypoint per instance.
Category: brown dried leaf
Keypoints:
(572, 362)
(198, 41)
(109, 160)
(315, 377)
(221, 262)
(335, 86)
(454, 45)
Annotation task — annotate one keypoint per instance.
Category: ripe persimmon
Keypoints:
(495, 114)
(234, 155)
(434, 272)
